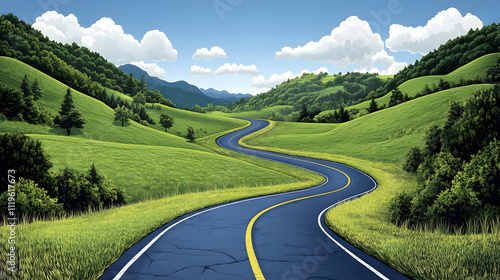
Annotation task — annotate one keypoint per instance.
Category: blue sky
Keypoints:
(256, 38)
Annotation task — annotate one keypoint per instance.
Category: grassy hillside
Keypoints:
(146, 162)
(382, 136)
(146, 171)
(204, 124)
(99, 117)
(412, 87)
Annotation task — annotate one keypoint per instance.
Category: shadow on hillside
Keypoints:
(62, 132)
(119, 123)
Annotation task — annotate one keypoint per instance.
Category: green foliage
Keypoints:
(190, 134)
(122, 114)
(475, 191)
(399, 208)
(140, 99)
(166, 121)
(448, 57)
(32, 201)
(14, 105)
(468, 132)
(396, 97)
(413, 159)
(494, 72)
(68, 116)
(459, 175)
(25, 86)
(432, 140)
(27, 158)
(314, 91)
(373, 106)
(79, 192)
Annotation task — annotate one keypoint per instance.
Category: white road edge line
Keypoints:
(378, 273)
(145, 248)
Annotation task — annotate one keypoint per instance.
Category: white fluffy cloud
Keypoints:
(107, 38)
(214, 52)
(237, 69)
(152, 69)
(446, 25)
(276, 79)
(394, 69)
(197, 70)
(352, 42)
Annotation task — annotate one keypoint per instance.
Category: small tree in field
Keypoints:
(373, 106)
(166, 120)
(69, 117)
(190, 134)
(122, 114)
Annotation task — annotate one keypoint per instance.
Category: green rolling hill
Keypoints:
(145, 161)
(476, 68)
(382, 136)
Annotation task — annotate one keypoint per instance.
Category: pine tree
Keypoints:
(396, 97)
(69, 117)
(25, 86)
(67, 104)
(36, 90)
(373, 106)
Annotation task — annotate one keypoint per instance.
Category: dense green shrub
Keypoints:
(458, 170)
(32, 201)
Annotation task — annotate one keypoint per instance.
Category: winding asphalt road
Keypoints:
(272, 237)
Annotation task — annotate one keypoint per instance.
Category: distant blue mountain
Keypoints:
(182, 93)
(224, 94)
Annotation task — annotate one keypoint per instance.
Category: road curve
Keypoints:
(279, 236)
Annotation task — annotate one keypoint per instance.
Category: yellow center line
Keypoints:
(254, 263)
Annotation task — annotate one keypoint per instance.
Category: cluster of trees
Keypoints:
(338, 116)
(196, 108)
(458, 169)
(448, 57)
(346, 90)
(75, 66)
(21, 105)
(44, 194)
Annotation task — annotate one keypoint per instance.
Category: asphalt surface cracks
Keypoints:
(279, 236)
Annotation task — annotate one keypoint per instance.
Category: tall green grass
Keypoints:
(81, 247)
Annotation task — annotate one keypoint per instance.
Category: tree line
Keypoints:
(447, 58)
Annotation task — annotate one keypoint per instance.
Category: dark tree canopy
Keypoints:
(166, 120)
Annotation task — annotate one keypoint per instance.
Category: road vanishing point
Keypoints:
(274, 237)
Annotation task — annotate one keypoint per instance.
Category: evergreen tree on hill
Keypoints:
(68, 116)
